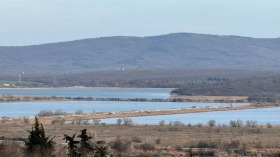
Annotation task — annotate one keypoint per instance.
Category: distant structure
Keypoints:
(19, 78)
(7, 85)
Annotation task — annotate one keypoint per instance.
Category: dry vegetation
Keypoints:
(169, 140)
(209, 98)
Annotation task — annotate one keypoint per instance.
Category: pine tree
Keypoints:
(37, 140)
(85, 148)
(72, 145)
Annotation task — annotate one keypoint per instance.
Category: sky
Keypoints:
(29, 22)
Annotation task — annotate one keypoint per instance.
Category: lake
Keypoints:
(147, 93)
(21, 109)
(262, 116)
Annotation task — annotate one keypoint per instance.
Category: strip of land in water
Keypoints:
(173, 98)
(103, 115)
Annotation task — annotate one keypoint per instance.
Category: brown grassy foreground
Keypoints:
(169, 140)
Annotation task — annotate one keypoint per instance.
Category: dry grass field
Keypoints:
(171, 139)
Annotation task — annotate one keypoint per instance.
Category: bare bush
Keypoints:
(211, 123)
(136, 139)
(199, 125)
(79, 112)
(127, 121)
(60, 121)
(147, 147)
(45, 113)
(121, 145)
(251, 123)
(157, 141)
(206, 144)
(59, 112)
(236, 123)
(26, 120)
(161, 123)
(178, 123)
(119, 121)
(268, 125)
(96, 121)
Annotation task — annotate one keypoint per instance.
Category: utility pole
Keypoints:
(19, 79)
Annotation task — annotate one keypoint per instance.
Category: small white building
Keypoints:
(6, 85)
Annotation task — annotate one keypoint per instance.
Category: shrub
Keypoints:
(147, 147)
(119, 121)
(251, 123)
(178, 148)
(211, 123)
(177, 123)
(127, 121)
(136, 139)
(171, 123)
(162, 123)
(96, 121)
(59, 112)
(199, 125)
(79, 112)
(268, 125)
(101, 151)
(207, 144)
(157, 141)
(60, 121)
(121, 144)
(237, 123)
(26, 120)
(45, 113)
(254, 131)
(235, 144)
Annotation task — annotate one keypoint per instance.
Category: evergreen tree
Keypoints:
(37, 141)
(101, 151)
(85, 148)
(72, 145)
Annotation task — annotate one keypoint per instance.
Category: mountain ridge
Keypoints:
(175, 50)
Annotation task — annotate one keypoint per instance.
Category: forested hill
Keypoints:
(259, 88)
(178, 50)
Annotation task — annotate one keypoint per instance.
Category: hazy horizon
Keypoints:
(34, 22)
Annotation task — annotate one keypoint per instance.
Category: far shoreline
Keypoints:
(82, 87)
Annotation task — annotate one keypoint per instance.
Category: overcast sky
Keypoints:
(27, 22)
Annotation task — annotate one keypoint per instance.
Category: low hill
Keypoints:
(259, 88)
(178, 50)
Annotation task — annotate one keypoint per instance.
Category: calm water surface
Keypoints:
(262, 116)
(20, 109)
(147, 93)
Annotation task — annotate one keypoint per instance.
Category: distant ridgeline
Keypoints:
(172, 51)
